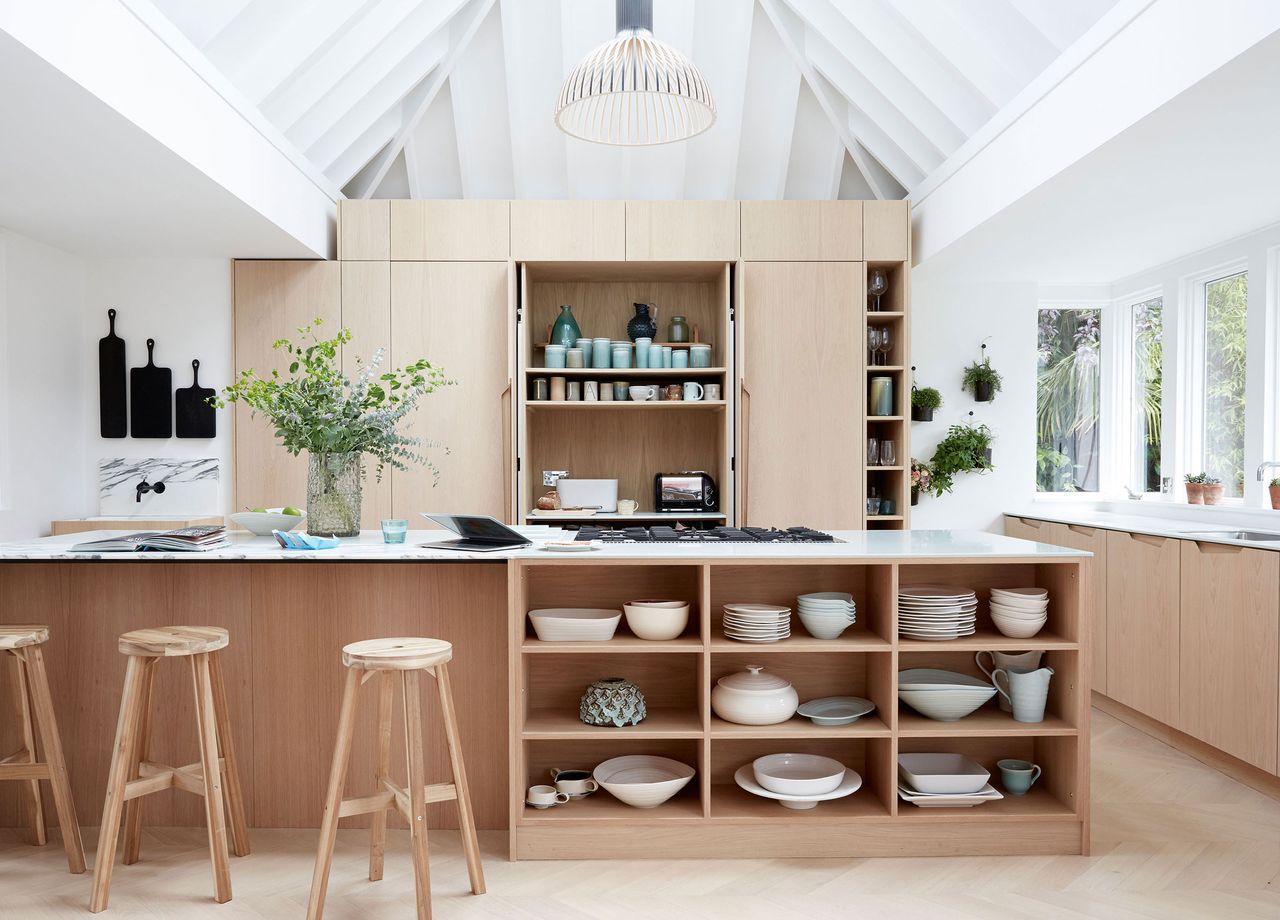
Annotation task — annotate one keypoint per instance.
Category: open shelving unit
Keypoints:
(891, 481)
(712, 816)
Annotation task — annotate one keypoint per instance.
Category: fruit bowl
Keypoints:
(262, 523)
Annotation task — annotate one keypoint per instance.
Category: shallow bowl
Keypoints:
(824, 627)
(575, 624)
(942, 774)
(262, 523)
(948, 704)
(798, 774)
(641, 780)
(1018, 629)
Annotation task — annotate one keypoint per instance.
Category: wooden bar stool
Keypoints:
(35, 716)
(133, 775)
(365, 661)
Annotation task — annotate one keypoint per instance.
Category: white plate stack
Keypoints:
(1019, 613)
(936, 612)
(826, 614)
(756, 622)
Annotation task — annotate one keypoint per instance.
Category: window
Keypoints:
(1226, 304)
(1146, 394)
(1068, 387)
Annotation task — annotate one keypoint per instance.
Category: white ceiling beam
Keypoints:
(478, 87)
(1062, 23)
(721, 36)
(354, 159)
(1006, 31)
(771, 95)
(813, 168)
(411, 167)
(948, 27)
(852, 183)
(436, 171)
(874, 172)
(200, 20)
(460, 36)
(531, 37)
(395, 184)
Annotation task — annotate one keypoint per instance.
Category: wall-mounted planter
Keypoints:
(983, 391)
(920, 414)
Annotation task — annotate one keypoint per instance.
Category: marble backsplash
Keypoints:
(191, 485)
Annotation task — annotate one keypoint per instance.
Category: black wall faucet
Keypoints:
(145, 486)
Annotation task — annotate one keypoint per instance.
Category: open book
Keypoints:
(189, 539)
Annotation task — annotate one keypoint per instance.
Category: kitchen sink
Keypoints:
(1251, 536)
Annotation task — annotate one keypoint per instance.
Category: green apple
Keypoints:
(290, 510)
(258, 510)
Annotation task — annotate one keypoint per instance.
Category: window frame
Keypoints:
(1121, 397)
(1105, 411)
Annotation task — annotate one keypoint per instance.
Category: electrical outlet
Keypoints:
(549, 477)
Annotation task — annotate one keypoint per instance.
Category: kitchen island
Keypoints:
(289, 613)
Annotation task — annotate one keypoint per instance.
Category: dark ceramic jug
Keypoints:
(644, 325)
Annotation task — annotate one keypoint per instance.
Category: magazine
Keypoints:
(188, 539)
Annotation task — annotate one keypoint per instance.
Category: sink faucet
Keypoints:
(145, 486)
(1262, 467)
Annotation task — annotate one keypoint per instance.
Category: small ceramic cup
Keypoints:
(680, 358)
(555, 355)
(574, 783)
(674, 391)
(712, 391)
(693, 391)
(573, 357)
(573, 391)
(545, 796)
(606, 392)
(540, 389)
(620, 388)
(591, 390)
(627, 506)
(557, 389)
(1018, 776)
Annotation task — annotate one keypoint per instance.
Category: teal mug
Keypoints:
(1018, 776)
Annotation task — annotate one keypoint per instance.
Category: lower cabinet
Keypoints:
(1230, 614)
(1143, 623)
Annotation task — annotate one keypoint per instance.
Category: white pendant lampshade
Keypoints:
(635, 91)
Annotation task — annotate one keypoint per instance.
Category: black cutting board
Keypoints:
(113, 409)
(195, 416)
(151, 398)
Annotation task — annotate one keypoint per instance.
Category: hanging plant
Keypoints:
(923, 403)
(965, 449)
(982, 380)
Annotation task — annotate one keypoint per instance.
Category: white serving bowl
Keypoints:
(1021, 606)
(942, 774)
(947, 704)
(643, 781)
(1017, 613)
(650, 621)
(824, 627)
(575, 624)
(262, 523)
(798, 774)
(1017, 628)
(1024, 594)
(938, 679)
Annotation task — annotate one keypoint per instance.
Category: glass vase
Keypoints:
(333, 494)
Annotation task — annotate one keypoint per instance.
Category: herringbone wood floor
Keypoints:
(1172, 839)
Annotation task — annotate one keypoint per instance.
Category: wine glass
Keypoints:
(873, 343)
(888, 454)
(885, 344)
(873, 452)
(877, 284)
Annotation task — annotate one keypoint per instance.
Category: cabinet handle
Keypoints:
(1217, 548)
(1032, 523)
(1149, 539)
(1082, 530)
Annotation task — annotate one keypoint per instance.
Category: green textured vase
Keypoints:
(565, 332)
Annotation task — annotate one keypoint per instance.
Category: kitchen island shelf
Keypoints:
(800, 642)
(799, 728)
(546, 724)
(987, 722)
(602, 807)
(1038, 803)
(623, 643)
(614, 404)
(986, 638)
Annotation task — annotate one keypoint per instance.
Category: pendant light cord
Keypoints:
(634, 14)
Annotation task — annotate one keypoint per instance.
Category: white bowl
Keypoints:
(938, 679)
(1022, 606)
(656, 623)
(1023, 594)
(948, 704)
(824, 627)
(798, 774)
(1018, 629)
(1016, 613)
(575, 624)
(262, 523)
(641, 780)
(942, 774)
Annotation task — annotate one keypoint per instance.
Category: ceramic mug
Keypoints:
(713, 391)
(1018, 776)
(541, 390)
(574, 783)
(642, 392)
(545, 796)
(591, 390)
(555, 356)
(693, 392)
(606, 392)
(573, 391)
(557, 389)
(627, 506)
(1027, 660)
(620, 388)
(674, 391)
(573, 357)
(1025, 689)
(680, 358)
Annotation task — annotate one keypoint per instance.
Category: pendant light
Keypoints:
(635, 91)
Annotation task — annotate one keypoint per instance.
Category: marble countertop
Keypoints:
(368, 547)
(1168, 520)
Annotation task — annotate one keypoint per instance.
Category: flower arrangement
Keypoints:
(921, 475)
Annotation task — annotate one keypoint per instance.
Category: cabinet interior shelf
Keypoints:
(877, 315)
(884, 517)
(988, 722)
(989, 639)
(874, 368)
(800, 728)
(626, 644)
(543, 345)
(651, 405)
(564, 724)
(799, 642)
(612, 372)
(884, 418)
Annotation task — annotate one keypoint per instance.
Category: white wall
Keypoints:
(949, 323)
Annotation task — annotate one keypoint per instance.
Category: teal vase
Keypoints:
(565, 332)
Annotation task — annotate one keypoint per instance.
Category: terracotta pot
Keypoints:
(1213, 494)
(1195, 493)
(1275, 497)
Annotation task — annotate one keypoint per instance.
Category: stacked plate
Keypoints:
(1019, 613)
(756, 622)
(936, 612)
(826, 614)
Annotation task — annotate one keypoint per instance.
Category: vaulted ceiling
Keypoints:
(454, 98)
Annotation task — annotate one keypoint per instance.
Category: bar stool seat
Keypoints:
(174, 641)
(12, 637)
(396, 654)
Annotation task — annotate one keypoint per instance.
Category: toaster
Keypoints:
(690, 491)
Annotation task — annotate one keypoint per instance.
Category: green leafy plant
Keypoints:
(926, 398)
(1274, 484)
(1210, 480)
(1195, 478)
(981, 372)
(314, 407)
(963, 450)
(1067, 399)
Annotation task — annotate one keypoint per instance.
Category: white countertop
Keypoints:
(1161, 519)
(368, 547)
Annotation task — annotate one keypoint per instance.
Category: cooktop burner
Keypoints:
(679, 534)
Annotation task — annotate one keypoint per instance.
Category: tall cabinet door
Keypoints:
(455, 314)
(273, 299)
(801, 395)
(1142, 623)
(1230, 598)
(1093, 592)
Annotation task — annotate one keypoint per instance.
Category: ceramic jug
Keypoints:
(1025, 690)
(1027, 660)
(565, 331)
(644, 325)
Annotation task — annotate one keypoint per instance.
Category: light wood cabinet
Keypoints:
(476, 230)
(1093, 591)
(568, 231)
(272, 299)
(801, 390)
(364, 229)
(1143, 623)
(366, 311)
(456, 315)
(886, 231)
(1228, 683)
(802, 231)
(688, 231)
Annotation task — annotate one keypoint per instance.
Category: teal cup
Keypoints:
(680, 358)
(600, 354)
(642, 352)
(1018, 776)
(394, 531)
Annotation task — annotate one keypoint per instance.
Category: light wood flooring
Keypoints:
(1172, 839)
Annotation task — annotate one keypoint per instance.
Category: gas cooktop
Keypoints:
(678, 534)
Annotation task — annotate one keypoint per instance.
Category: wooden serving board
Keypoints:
(151, 398)
(195, 417)
(113, 409)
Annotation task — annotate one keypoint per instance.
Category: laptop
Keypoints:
(478, 533)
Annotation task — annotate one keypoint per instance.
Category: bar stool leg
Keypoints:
(378, 830)
(333, 798)
(42, 700)
(206, 721)
(466, 819)
(39, 834)
(141, 751)
(231, 770)
(121, 758)
(417, 790)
